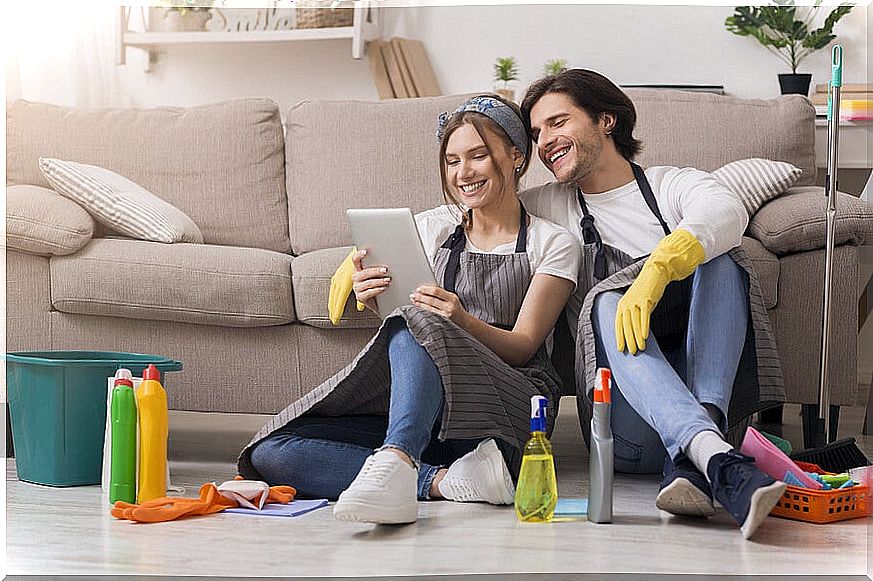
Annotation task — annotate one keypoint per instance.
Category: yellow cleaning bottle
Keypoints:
(151, 400)
(537, 490)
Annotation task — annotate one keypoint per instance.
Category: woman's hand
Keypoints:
(441, 302)
(368, 283)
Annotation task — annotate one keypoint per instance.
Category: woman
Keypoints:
(454, 370)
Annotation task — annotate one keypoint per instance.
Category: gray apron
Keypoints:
(484, 396)
(758, 383)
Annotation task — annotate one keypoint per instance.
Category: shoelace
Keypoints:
(732, 458)
(375, 472)
(464, 490)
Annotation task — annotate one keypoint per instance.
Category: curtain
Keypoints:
(62, 53)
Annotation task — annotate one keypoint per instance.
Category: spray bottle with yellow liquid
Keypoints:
(537, 490)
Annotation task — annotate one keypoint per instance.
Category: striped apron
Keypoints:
(484, 396)
(758, 383)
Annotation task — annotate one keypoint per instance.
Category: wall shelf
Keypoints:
(364, 28)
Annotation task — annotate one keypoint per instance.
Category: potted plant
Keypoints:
(554, 67)
(789, 34)
(187, 15)
(505, 77)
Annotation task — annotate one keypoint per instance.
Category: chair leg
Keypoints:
(813, 426)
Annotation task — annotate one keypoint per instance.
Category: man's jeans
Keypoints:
(657, 404)
(320, 456)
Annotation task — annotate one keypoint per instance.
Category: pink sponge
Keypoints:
(772, 461)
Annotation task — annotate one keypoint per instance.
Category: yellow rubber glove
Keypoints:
(675, 258)
(341, 288)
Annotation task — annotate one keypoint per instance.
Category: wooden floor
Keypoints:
(70, 531)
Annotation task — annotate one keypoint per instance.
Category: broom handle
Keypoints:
(831, 195)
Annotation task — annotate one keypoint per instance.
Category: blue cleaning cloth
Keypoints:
(571, 507)
(791, 479)
(293, 508)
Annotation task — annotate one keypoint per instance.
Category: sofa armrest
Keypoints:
(41, 221)
(796, 221)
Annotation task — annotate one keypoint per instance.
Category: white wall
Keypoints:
(629, 44)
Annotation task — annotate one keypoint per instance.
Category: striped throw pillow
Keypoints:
(756, 181)
(119, 203)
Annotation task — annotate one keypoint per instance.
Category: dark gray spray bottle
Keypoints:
(600, 459)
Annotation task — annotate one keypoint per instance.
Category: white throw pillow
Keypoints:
(119, 203)
(756, 181)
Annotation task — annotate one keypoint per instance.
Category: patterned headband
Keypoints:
(498, 112)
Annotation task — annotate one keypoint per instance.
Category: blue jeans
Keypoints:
(320, 456)
(657, 406)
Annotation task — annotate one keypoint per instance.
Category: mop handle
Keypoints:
(830, 192)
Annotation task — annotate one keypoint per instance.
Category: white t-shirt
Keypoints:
(550, 248)
(687, 198)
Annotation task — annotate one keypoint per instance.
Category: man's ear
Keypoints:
(607, 122)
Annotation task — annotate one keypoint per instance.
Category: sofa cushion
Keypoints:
(311, 273)
(41, 221)
(119, 203)
(766, 265)
(222, 164)
(189, 283)
(756, 181)
(797, 222)
(707, 131)
(344, 154)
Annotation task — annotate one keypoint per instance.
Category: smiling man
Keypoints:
(663, 300)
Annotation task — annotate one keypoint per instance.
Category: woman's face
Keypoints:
(478, 178)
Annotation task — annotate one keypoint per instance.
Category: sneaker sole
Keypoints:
(355, 511)
(763, 501)
(682, 498)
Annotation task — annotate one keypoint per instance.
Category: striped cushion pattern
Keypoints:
(120, 204)
(756, 181)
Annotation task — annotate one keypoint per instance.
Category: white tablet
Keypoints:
(390, 237)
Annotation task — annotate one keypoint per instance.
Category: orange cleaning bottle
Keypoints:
(151, 400)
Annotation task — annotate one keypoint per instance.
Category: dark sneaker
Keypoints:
(744, 491)
(684, 489)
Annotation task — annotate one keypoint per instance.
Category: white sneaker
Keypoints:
(385, 491)
(480, 476)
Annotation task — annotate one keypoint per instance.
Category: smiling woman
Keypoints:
(62, 53)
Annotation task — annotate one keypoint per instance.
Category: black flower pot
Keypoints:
(795, 84)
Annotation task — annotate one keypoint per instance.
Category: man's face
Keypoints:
(568, 142)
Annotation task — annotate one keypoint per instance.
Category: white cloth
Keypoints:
(550, 248)
(687, 198)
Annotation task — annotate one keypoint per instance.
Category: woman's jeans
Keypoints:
(320, 456)
(657, 407)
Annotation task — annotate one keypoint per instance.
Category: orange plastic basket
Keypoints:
(822, 506)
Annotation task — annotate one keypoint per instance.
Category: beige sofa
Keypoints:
(246, 311)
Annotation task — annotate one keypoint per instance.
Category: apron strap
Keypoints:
(649, 196)
(458, 241)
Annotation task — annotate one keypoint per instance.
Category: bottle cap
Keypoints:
(123, 381)
(603, 386)
(151, 372)
(538, 405)
(123, 373)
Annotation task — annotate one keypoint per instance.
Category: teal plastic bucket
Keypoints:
(57, 404)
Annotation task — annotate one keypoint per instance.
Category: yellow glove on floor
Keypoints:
(675, 258)
(341, 288)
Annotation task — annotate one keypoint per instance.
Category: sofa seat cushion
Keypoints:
(797, 222)
(766, 265)
(311, 273)
(188, 283)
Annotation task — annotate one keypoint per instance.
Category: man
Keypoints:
(680, 386)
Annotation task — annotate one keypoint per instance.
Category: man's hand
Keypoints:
(440, 301)
(675, 258)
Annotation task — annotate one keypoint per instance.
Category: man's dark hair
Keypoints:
(594, 94)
